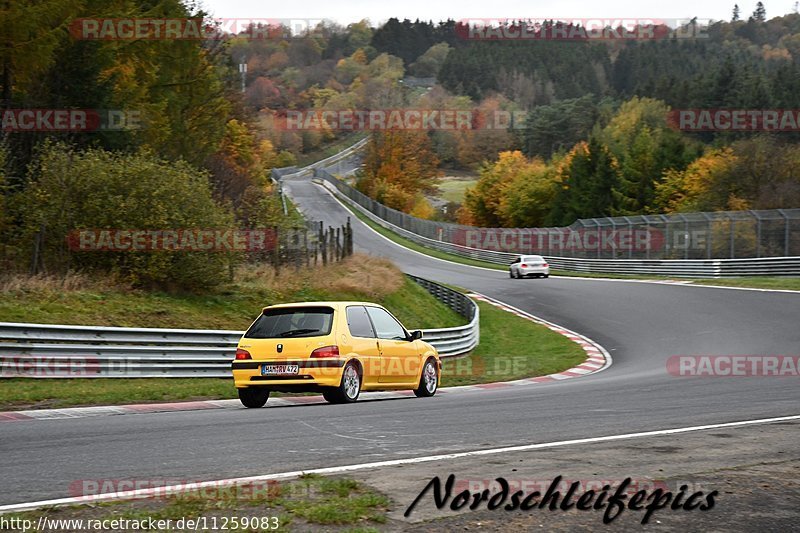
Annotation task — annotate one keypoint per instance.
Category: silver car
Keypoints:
(529, 265)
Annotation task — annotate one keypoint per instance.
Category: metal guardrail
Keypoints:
(693, 268)
(58, 351)
(279, 174)
(690, 268)
(327, 163)
(676, 236)
(457, 340)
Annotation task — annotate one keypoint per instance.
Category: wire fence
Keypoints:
(714, 235)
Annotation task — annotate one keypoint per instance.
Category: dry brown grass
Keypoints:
(264, 277)
(361, 274)
(374, 276)
(72, 281)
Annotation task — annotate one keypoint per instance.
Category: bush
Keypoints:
(93, 189)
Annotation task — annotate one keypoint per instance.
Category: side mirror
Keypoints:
(416, 335)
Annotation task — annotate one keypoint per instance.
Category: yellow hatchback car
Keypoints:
(337, 348)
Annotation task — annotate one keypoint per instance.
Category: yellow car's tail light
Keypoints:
(326, 351)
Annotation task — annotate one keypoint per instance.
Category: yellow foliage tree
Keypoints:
(694, 189)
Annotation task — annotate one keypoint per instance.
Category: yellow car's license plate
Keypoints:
(275, 370)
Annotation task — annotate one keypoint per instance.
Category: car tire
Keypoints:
(546, 276)
(428, 380)
(511, 274)
(253, 397)
(349, 388)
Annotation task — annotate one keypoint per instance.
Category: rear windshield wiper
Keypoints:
(295, 332)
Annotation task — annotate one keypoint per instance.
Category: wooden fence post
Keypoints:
(323, 244)
(305, 248)
(349, 245)
(276, 252)
(296, 258)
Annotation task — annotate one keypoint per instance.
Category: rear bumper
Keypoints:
(312, 374)
(534, 271)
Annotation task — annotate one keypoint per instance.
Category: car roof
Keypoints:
(334, 304)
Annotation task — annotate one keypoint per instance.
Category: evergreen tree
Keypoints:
(760, 14)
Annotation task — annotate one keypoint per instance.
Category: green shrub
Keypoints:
(71, 190)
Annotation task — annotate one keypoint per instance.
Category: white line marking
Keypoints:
(161, 491)
(695, 282)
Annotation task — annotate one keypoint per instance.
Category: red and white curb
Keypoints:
(597, 359)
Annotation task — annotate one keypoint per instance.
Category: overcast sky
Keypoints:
(378, 11)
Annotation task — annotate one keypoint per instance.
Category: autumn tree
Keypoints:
(693, 189)
(428, 64)
(512, 191)
(399, 167)
(482, 201)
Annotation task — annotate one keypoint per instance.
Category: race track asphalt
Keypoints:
(640, 324)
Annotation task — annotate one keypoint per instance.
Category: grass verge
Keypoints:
(308, 503)
(785, 283)
(453, 188)
(511, 347)
(82, 301)
(28, 393)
